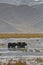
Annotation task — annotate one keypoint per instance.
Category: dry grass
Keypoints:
(12, 62)
(2, 44)
(39, 59)
(22, 61)
(21, 35)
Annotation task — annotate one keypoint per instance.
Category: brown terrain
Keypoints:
(11, 35)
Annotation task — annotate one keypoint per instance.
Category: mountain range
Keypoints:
(21, 19)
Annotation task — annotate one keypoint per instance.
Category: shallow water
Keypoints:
(32, 44)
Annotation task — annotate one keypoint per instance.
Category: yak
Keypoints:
(18, 44)
(21, 44)
(11, 45)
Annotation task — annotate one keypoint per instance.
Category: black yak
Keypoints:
(17, 45)
(12, 45)
(21, 44)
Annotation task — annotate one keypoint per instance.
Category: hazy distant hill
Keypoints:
(21, 19)
(22, 2)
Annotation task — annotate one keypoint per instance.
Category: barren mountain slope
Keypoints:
(21, 19)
